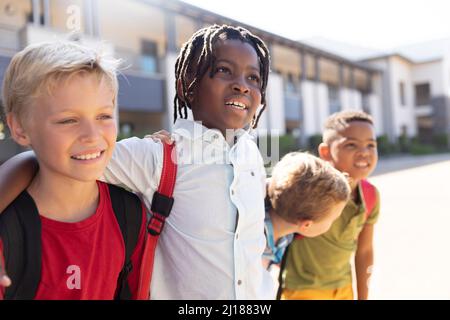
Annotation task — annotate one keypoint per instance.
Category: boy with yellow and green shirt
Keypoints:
(320, 268)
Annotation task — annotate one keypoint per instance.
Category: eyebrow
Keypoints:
(107, 107)
(71, 110)
(356, 139)
(256, 68)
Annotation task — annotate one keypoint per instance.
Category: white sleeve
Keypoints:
(136, 164)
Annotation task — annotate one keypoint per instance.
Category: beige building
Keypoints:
(306, 84)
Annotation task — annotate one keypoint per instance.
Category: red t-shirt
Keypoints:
(83, 260)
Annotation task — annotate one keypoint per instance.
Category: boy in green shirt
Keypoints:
(319, 268)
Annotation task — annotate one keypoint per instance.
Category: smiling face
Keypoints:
(72, 131)
(229, 99)
(354, 150)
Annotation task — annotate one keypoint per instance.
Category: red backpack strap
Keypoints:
(162, 203)
(370, 196)
(298, 236)
(162, 199)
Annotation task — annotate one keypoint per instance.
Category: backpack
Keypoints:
(369, 194)
(20, 230)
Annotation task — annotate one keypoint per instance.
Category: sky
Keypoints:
(374, 24)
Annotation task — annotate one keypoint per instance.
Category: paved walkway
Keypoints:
(412, 237)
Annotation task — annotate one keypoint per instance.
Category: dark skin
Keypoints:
(235, 80)
(354, 151)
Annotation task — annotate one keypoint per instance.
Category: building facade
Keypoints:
(306, 84)
(417, 96)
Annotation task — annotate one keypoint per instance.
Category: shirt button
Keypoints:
(216, 136)
(232, 192)
(239, 282)
(253, 174)
(237, 236)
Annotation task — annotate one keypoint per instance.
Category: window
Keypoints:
(402, 94)
(149, 56)
(290, 84)
(422, 94)
(334, 101)
(366, 102)
(30, 18)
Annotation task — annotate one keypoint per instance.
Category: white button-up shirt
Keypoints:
(212, 243)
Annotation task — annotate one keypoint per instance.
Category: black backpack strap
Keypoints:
(20, 229)
(128, 211)
(280, 276)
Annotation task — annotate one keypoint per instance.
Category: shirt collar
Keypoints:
(193, 130)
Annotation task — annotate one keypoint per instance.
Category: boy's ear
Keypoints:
(304, 225)
(324, 151)
(17, 131)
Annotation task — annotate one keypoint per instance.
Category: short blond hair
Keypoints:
(41, 66)
(304, 187)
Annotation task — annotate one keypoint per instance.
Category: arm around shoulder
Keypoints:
(136, 164)
(15, 176)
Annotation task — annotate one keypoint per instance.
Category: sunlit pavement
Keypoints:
(412, 236)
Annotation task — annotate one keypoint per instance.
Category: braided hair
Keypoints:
(196, 57)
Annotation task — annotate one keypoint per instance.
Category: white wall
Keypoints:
(344, 96)
(376, 104)
(126, 23)
(169, 67)
(263, 124)
(382, 88)
(446, 78)
(322, 105)
(275, 104)
(350, 99)
(432, 73)
(357, 99)
(376, 113)
(401, 71)
(315, 106)
(309, 108)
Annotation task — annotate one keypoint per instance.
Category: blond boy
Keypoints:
(305, 196)
(60, 101)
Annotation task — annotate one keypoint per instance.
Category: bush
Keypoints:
(404, 144)
(288, 144)
(314, 142)
(422, 149)
(440, 141)
(385, 147)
